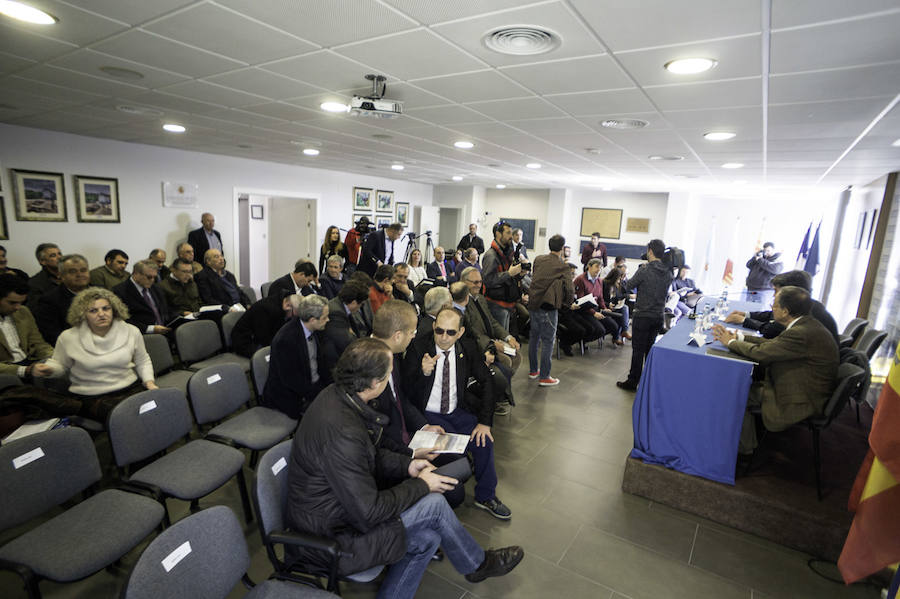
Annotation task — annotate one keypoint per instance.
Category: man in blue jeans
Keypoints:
(551, 288)
(334, 473)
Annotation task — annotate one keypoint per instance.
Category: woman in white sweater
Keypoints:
(103, 355)
(416, 270)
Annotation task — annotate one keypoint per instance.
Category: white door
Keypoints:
(292, 223)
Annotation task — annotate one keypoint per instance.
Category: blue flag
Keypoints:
(812, 258)
(804, 250)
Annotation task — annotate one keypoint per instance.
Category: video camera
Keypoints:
(673, 257)
(526, 266)
(364, 227)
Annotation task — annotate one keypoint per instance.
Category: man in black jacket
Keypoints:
(439, 270)
(764, 265)
(472, 240)
(261, 322)
(340, 477)
(341, 328)
(300, 281)
(47, 279)
(206, 237)
(53, 307)
(145, 302)
(436, 371)
(217, 286)
(378, 249)
(296, 369)
(501, 275)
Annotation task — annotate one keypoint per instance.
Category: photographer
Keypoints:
(501, 273)
(764, 265)
(353, 243)
(652, 282)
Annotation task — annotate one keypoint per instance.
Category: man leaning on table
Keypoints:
(800, 363)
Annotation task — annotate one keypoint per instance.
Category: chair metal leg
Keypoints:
(245, 498)
(857, 412)
(254, 458)
(817, 459)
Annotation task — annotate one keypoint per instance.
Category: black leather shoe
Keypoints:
(438, 556)
(566, 349)
(627, 385)
(497, 562)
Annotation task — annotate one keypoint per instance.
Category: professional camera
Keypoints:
(673, 257)
(363, 226)
(526, 266)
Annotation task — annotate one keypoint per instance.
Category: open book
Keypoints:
(446, 443)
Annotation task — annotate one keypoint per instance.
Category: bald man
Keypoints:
(206, 237)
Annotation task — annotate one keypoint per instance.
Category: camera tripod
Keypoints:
(412, 245)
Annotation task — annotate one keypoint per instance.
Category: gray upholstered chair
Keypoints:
(147, 424)
(216, 392)
(164, 371)
(203, 556)
(264, 288)
(200, 345)
(250, 293)
(870, 341)
(228, 321)
(44, 470)
(270, 496)
(259, 370)
(852, 332)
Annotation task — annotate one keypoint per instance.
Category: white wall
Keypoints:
(518, 203)
(632, 204)
(141, 169)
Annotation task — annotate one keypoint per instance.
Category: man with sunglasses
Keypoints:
(448, 380)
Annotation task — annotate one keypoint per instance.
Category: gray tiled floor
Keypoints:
(560, 457)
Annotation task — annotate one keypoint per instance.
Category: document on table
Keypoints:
(445, 443)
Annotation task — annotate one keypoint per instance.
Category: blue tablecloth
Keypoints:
(689, 405)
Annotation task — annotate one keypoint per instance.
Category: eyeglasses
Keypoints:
(478, 282)
(448, 332)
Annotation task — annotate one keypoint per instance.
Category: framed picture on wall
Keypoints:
(403, 213)
(606, 221)
(384, 201)
(382, 221)
(359, 215)
(4, 228)
(257, 212)
(362, 198)
(96, 199)
(39, 196)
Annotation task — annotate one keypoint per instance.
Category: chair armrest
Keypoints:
(220, 439)
(285, 537)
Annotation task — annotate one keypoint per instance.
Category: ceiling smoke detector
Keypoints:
(624, 123)
(521, 40)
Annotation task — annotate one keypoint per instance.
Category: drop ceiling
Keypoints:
(808, 86)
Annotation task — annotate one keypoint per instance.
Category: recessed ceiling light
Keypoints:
(310, 151)
(173, 128)
(521, 40)
(533, 165)
(397, 167)
(23, 12)
(501, 186)
(120, 73)
(733, 165)
(624, 123)
(689, 66)
(896, 143)
(660, 157)
(457, 177)
(463, 144)
(718, 135)
(334, 107)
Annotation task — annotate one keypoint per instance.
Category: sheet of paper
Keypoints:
(31, 427)
(586, 299)
(446, 443)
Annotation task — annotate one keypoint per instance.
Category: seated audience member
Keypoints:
(332, 279)
(47, 279)
(158, 255)
(382, 288)
(342, 328)
(21, 344)
(257, 327)
(765, 322)
(456, 259)
(332, 246)
(575, 324)
(185, 251)
(364, 316)
(590, 283)
(436, 371)
(103, 355)
(459, 292)
(112, 272)
(218, 286)
(179, 289)
(687, 290)
(416, 268)
(6, 270)
(297, 371)
(52, 309)
(436, 299)
(401, 289)
(440, 270)
(800, 366)
(343, 486)
(614, 293)
(145, 302)
(301, 281)
(470, 259)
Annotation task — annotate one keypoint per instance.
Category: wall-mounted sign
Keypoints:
(180, 195)
(637, 225)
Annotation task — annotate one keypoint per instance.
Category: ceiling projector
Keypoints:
(375, 104)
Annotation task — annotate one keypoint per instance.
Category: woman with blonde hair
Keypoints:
(103, 355)
(332, 246)
(416, 268)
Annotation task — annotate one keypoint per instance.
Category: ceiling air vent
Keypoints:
(138, 110)
(521, 40)
(624, 124)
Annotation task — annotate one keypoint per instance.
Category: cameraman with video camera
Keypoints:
(353, 243)
(652, 282)
(501, 273)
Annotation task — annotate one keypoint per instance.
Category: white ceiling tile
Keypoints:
(170, 102)
(446, 10)
(838, 84)
(38, 88)
(264, 83)
(27, 45)
(576, 40)
(63, 121)
(714, 94)
(284, 111)
(651, 23)
(591, 73)
(162, 53)
(523, 108)
(324, 69)
(219, 30)
(75, 26)
(17, 103)
(602, 103)
(212, 93)
(487, 129)
(556, 126)
(826, 112)
(791, 13)
(817, 130)
(474, 87)
(10, 63)
(325, 22)
(447, 115)
(80, 81)
(132, 12)
(716, 119)
(90, 62)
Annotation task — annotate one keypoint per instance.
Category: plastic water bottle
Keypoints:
(707, 317)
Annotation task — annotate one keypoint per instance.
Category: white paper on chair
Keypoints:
(446, 443)
(31, 427)
(176, 556)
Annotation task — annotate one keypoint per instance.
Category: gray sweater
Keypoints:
(652, 282)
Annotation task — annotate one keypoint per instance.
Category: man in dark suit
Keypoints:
(301, 281)
(206, 237)
(217, 286)
(262, 321)
(48, 255)
(439, 270)
(297, 371)
(436, 299)
(378, 249)
(21, 344)
(158, 255)
(146, 303)
(801, 364)
(472, 240)
(53, 307)
(342, 329)
(436, 371)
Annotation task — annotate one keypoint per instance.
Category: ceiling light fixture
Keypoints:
(138, 110)
(624, 123)
(896, 143)
(521, 40)
(464, 145)
(500, 186)
(334, 107)
(690, 66)
(660, 157)
(457, 177)
(397, 167)
(310, 151)
(533, 165)
(120, 73)
(733, 165)
(173, 128)
(718, 135)
(28, 14)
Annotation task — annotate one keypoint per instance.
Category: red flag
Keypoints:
(728, 275)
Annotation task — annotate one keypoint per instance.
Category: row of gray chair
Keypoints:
(858, 335)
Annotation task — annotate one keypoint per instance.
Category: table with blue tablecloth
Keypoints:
(690, 404)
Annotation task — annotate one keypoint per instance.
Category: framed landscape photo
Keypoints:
(39, 196)
(403, 213)
(384, 201)
(362, 198)
(382, 221)
(96, 199)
